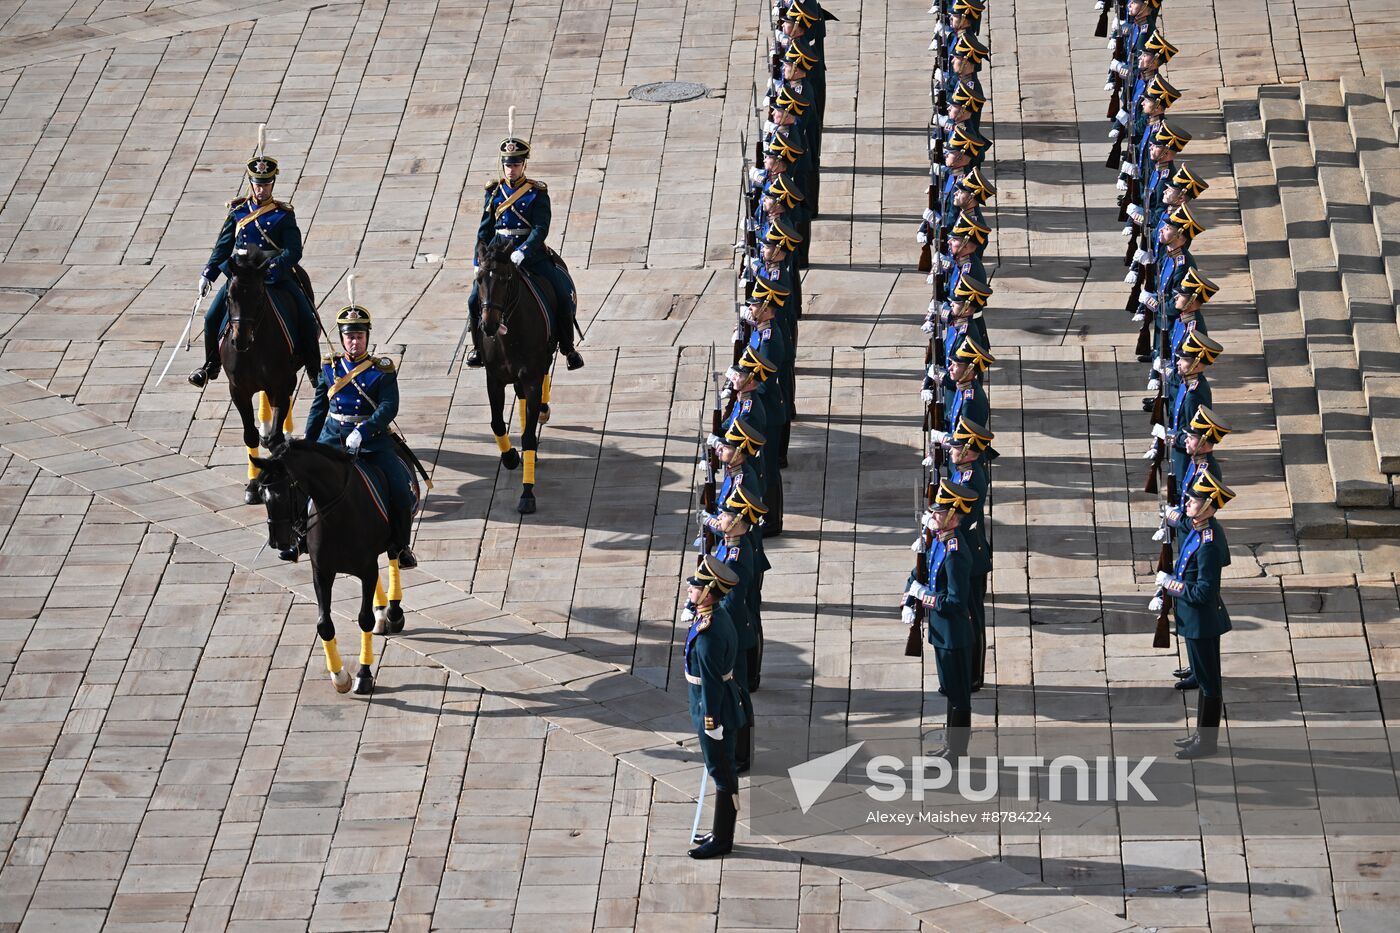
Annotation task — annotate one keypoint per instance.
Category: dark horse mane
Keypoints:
(307, 445)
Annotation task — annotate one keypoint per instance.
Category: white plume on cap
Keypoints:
(510, 121)
(262, 135)
(350, 287)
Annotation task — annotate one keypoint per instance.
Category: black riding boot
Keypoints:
(210, 370)
(401, 532)
(1203, 743)
(566, 339)
(474, 359)
(956, 736)
(721, 838)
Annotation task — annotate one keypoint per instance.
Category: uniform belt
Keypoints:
(349, 419)
(691, 678)
(513, 231)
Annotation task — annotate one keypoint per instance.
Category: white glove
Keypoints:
(1159, 431)
(944, 263)
(712, 440)
(932, 278)
(353, 442)
(1122, 117)
(1114, 133)
(934, 372)
(1098, 7)
(1119, 68)
(1161, 534)
(1160, 365)
(717, 733)
(1154, 384)
(769, 127)
(756, 175)
(1135, 212)
(916, 590)
(906, 615)
(736, 336)
(917, 546)
(1131, 278)
(921, 237)
(938, 75)
(1155, 605)
(1122, 184)
(1163, 578)
(928, 463)
(929, 215)
(517, 257)
(1132, 169)
(204, 286)
(1108, 85)
(687, 614)
(1139, 316)
(1150, 452)
(926, 396)
(938, 437)
(928, 327)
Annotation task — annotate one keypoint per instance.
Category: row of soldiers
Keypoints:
(751, 414)
(1168, 296)
(947, 590)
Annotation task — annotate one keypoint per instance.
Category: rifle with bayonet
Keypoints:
(708, 495)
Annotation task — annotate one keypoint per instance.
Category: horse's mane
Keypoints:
(498, 251)
(307, 445)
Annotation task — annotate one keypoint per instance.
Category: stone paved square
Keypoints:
(173, 755)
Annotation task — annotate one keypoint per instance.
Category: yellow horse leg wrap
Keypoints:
(287, 422)
(366, 647)
(380, 600)
(253, 471)
(544, 391)
(395, 586)
(522, 414)
(503, 442)
(332, 655)
(264, 408)
(530, 467)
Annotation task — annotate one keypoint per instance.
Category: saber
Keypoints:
(184, 339)
(699, 805)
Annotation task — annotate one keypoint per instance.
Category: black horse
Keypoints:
(345, 533)
(517, 348)
(256, 351)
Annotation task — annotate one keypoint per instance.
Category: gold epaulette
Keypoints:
(384, 364)
(286, 206)
(330, 357)
(538, 185)
(491, 185)
(234, 203)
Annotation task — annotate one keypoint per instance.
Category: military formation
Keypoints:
(1168, 296)
(945, 597)
(745, 445)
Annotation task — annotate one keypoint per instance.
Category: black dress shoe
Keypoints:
(203, 375)
(1198, 747)
(1181, 673)
(1183, 742)
(474, 359)
(406, 558)
(1188, 683)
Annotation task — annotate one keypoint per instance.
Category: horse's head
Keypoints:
(496, 289)
(285, 501)
(247, 292)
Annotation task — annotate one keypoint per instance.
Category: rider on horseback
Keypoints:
(259, 221)
(516, 213)
(356, 399)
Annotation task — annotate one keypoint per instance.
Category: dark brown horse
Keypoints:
(256, 351)
(345, 533)
(518, 348)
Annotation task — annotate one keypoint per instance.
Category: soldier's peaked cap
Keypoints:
(514, 150)
(715, 574)
(953, 495)
(1211, 489)
(1206, 423)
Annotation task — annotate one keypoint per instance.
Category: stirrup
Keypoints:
(573, 359)
(406, 558)
(204, 375)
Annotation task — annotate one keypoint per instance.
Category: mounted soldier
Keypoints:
(259, 222)
(357, 398)
(517, 214)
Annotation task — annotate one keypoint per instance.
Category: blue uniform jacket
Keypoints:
(271, 227)
(950, 592)
(530, 212)
(374, 404)
(1195, 583)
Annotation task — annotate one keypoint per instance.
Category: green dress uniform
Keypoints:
(975, 476)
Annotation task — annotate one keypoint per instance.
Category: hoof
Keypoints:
(252, 495)
(396, 618)
(364, 681)
(381, 620)
(510, 459)
(544, 414)
(341, 681)
(526, 505)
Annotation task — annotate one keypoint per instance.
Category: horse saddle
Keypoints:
(378, 484)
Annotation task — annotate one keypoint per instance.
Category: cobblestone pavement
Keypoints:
(174, 756)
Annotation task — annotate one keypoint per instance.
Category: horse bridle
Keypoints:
(293, 486)
(503, 311)
(235, 320)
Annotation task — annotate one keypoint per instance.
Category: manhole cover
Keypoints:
(668, 92)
